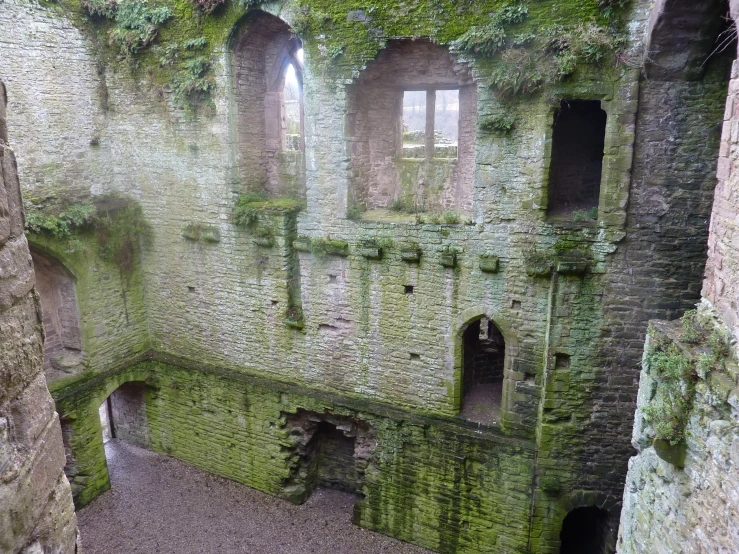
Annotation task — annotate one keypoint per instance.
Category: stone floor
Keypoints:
(482, 404)
(161, 505)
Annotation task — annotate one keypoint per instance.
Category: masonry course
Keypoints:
(229, 372)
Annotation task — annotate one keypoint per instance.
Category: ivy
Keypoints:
(669, 410)
(118, 223)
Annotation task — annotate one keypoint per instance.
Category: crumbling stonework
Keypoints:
(36, 511)
(364, 318)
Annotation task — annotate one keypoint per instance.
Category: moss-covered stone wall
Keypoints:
(426, 480)
(319, 299)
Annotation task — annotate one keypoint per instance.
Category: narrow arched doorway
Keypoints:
(483, 366)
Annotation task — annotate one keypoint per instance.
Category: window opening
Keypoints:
(414, 124)
(430, 123)
(293, 102)
(446, 123)
(587, 530)
(576, 164)
(483, 367)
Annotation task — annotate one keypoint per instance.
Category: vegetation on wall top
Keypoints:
(249, 207)
(117, 223)
(677, 371)
(520, 46)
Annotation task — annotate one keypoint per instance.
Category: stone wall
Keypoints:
(684, 497)
(421, 477)
(580, 291)
(681, 490)
(36, 511)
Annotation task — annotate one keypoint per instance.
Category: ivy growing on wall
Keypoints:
(520, 46)
(117, 223)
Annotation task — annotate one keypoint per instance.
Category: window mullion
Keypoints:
(430, 111)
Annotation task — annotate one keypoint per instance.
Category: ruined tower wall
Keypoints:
(36, 511)
(681, 495)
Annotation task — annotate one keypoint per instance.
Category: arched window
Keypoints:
(57, 290)
(483, 352)
(268, 77)
(588, 530)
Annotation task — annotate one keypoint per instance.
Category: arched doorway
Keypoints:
(588, 530)
(483, 367)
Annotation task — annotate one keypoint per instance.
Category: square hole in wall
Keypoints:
(332, 278)
(408, 289)
(561, 361)
(415, 356)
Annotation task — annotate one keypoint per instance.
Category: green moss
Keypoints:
(200, 231)
(497, 124)
(551, 39)
(320, 248)
(117, 222)
(250, 207)
(585, 215)
(675, 374)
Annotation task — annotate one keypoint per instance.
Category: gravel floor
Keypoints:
(159, 504)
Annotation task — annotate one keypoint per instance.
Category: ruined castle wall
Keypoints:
(684, 498)
(681, 496)
(364, 338)
(421, 478)
(36, 511)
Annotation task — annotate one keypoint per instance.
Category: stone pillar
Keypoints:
(36, 510)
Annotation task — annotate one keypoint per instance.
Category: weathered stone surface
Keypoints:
(36, 511)
(685, 497)
(362, 337)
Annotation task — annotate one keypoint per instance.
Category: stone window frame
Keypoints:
(618, 150)
(429, 147)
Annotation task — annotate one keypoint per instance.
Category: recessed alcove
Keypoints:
(411, 124)
(483, 351)
(576, 164)
(268, 93)
(57, 290)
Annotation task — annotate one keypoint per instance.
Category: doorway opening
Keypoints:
(483, 351)
(588, 530)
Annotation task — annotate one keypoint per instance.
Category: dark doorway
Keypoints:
(484, 362)
(330, 457)
(587, 530)
(577, 158)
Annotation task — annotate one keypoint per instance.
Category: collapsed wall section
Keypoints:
(36, 511)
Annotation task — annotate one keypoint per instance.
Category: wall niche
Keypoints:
(411, 124)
